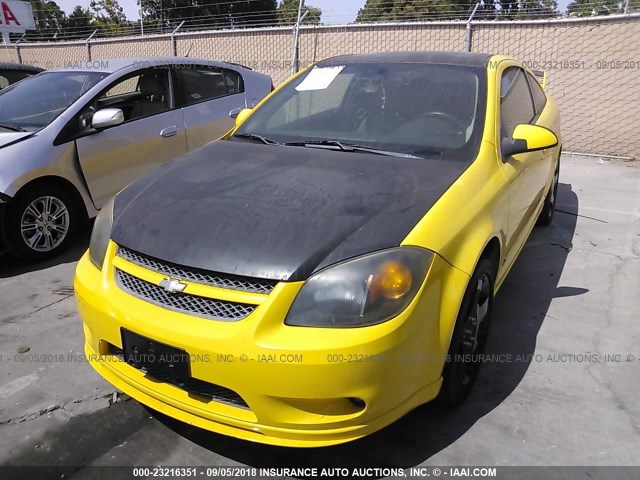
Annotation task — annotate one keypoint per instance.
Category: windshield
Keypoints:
(35, 102)
(425, 110)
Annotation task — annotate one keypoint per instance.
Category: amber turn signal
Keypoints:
(394, 279)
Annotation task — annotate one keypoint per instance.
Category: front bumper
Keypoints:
(298, 382)
(3, 208)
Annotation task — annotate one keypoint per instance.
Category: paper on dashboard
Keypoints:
(319, 78)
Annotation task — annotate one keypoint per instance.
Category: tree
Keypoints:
(55, 19)
(536, 8)
(79, 23)
(587, 8)
(50, 19)
(408, 10)
(108, 16)
(288, 13)
(260, 13)
(508, 8)
(375, 10)
(38, 13)
(167, 14)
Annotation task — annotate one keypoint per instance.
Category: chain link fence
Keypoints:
(592, 64)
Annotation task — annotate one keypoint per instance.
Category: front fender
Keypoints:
(25, 162)
(469, 214)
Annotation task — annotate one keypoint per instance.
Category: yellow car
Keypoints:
(331, 263)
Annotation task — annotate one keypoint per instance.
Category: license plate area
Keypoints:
(158, 360)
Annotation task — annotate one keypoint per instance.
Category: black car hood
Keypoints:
(276, 212)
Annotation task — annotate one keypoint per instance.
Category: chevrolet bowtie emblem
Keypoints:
(171, 285)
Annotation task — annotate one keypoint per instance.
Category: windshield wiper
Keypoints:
(347, 147)
(13, 128)
(260, 138)
(321, 143)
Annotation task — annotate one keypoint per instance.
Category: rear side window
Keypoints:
(234, 81)
(539, 97)
(516, 104)
(202, 82)
(12, 76)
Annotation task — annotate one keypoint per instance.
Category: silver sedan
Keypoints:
(71, 138)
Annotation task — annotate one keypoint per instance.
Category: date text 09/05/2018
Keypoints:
(336, 472)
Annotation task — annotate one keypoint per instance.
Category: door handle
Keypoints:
(169, 131)
(234, 113)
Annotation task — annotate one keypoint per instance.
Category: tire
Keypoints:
(469, 337)
(546, 215)
(29, 234)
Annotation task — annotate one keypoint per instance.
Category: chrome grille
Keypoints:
(222, 280)
(183, 302)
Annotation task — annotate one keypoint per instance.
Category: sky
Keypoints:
(333, 11)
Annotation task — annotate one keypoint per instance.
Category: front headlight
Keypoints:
(101, 234)
(360, 292)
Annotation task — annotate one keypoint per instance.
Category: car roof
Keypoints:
(441, 58)
(111, 65)
(19, 66)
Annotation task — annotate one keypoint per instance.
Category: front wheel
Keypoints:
(469, 337)
(40, 222)
(546, 215)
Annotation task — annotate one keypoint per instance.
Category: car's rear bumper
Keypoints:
(298, 382)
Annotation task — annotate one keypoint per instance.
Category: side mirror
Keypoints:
(528, 138)
(242, 115)
(107, 117)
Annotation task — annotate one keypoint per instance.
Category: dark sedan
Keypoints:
(11, 73)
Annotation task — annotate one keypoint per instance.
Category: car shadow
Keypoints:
(519, 311)
(12, 267)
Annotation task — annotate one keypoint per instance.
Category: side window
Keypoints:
(234, 81)
(198, 83)
(20, 76)
(12, 76)
(516, 105)
(138, 95)
(539, 97)
(128, 86)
